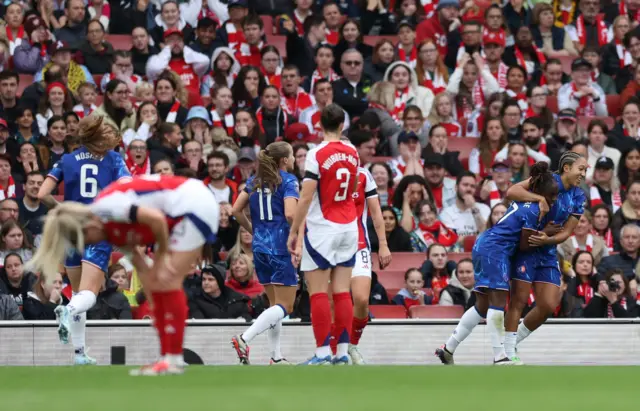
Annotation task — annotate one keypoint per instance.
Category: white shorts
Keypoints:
(362, 268)
(200, 218)
(322, 251)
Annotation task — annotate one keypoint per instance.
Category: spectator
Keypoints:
(75, 28)
(409, 192)
(27, 161)
(377, 295)
(224, 69)
(41, 301)
(582, 95)
(248, 52)
(101, 10)
(224, 189)
(625, 74)
(614, 55)
(491, 109)
(55, 102)
(397, 238)
(524, 52)
(9, 210)
(32, 55)
(516, 15)
(300, 155)
(220, 109)
(141, 50)
(497, 212)
(443, 115)
(333, 19)
(87, 93)
(632, 88)
(583, 269)
(31, 209)
(627, 213)
(147, 121)
(605, 188)
(247, 132)
(165, 144)
(171, 18)
(537, 107)
(430, 68)
(494, 45)
(383, 56)
(216, 300)
(597, 133)
(241, 278)
(111, 303)
(590, 29)
(383, 177)
(137, 158)
(443, 189)
(72, 121)
(350, 92)
(74, 74)
(583, 240)
(440, 27)
(552, 40)
(169, 102)
(533, 143)
(121, 68)
(14, 28)
(602, 219)
(13, 280)
(116, 108)
(412, 294)
(164, 167)
(552, 77)
(629, 168)
(429, 229)
(294, 98)
(459, 291)
(436, 270)
(14, 241)
(242, 245)
(494, 188)
(301, 49)
(205, 37)
(324, 68)
(492, 140)
(350, 39)
(618, 301)
(247, 88)
(271, 65)
(409, 161)
(230, 33)
(519, 162)
(192, 158)
(27, 130)
(189, 65)
(381, 104)
(9, 109)
(466, 86)
(32, 95)
(412, 121)
(624, 135)
(55, 145)
(9, 310)
(466, 217)
(323, 95)
(228, 230)
(627, 259)
(603, 80)
(565, 133)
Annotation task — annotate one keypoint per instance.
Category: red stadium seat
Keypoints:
(120, 41)
(401, 261)
(468, 243)
(372, 40)
(566, 63)
(387, 311)
(614, 105)
(97, 78)
(436, 311)
(116, 256)
(584, 121)
(552, 104)
(381, 159)
(280, 42)
(392, 292)
(268, 24)
(391, 278)
(24, 81)
(464, 145)
(458, 256)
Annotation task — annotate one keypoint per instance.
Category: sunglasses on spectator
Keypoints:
(353, 63)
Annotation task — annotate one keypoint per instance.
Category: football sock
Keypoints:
(356, 329)
(159, 321)
(81, 302)
(467, 323)
(78, 330)
(333, 342)
(321, 323)
(343, 313)
(495, 327)
(523, 332)
(273, 339)
(268, 319)
(510, 344)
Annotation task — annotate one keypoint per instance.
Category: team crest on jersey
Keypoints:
(355, 195)
(523, 269)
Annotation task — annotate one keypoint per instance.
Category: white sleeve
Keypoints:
(305, 119)
(572, 32)
(311, 165)
(113, 207)
(453, 87)
(370, 188)
(446, 218)
(565, 98)
(199, 61)
(485, 211)
(103, 83)
(490, 83)
(474, 161)
(537, 156)
(159, 62)
(42, 124)
(600, 105)
(189, 12)
(221, 9)
(143, 134)
(502, 154)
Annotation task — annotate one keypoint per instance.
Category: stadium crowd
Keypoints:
(449, 103)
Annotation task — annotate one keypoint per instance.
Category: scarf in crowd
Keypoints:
(478, 96)
(229, 122)
(623, 303)
(331, 37)
(586, 107)
(14, 42)
(296, 104)
(315, 76)
(299, 21)
(434, 83)
(624, 11)
(400, 103)
(623, 54)
(248, 55)
(588, 245)
(173, 112)
(260, 115)
(601, 28)
(9, 191)
(82, 112)
(616, 198)
(234, 37)
(501, 75)
(608, 238)
(110, 76)
(429, 7)
(500, 34)
(523, 63)
(585, 291)
(521, 98)
(494, 195)
(411, 59)
(453, 128)
(437, 233)
(75, 77)
(135, 169)
(274, 79)
(563, 15)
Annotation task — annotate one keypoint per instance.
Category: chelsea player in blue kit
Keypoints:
(540, 266)
(492, 254)
(85, 172)
(272, 195)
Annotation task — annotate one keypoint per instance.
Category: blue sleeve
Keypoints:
(291, 188)
(248, 187)
(87, 75)
(56, 171)
(530, 217)
(579, 201)
(119, 167)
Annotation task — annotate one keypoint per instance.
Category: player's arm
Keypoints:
(156, 220)
(384, 254)
(294, 244)
(290, 207)
(520, 192)
(542, 239)
(44, 194)
(238, 211)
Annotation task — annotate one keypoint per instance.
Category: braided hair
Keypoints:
(567, 159)
(542, 181)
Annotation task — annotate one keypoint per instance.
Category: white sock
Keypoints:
(342, 350)
(78, 330)
(495, 327)
(324, 351)
(523, 332)
(467, 323)
(268, 319)
(174, 359)
(273, 339)
(510, 344)
(81, 302)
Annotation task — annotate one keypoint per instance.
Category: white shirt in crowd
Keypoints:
(462, 221)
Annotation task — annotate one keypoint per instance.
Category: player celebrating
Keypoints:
(492, 255)
(272, 195)
(330, 237)
(366, 199)
(180, 215)
(540, 266)
(85, 172)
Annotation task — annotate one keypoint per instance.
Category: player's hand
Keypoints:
(539, 240)
(294, 248)
(552, 229)
(544, 208)
(139, 260)
(384, 256)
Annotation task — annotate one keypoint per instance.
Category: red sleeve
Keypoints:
(423, 31)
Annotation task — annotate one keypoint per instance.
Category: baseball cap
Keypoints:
(238, 3)
(501, 164)
(297, 132)
(172, 31)
(407, 23)
(32, 23)
(605, 163)
(3, 123)
(490, 37)
(434, 159)
(579, 63)
(448, 3)
(207, 22)
(247, 154)
(198, 112)
(59, 46)
(568, 114)
(405, 136)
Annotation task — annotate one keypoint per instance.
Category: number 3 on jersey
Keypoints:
(343, 175)
(88, 181)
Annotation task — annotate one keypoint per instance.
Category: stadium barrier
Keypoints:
(397, 342)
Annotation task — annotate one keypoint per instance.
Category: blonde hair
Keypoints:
(245, 258)
(63, 228)
(98, 136)
(238, 249)
(383, 93)
(268, 173)
(142, 86)
(434, 117)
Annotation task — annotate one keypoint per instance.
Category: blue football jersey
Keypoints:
(503, 238)
(270, 226)
(569, 203)
(85, 176)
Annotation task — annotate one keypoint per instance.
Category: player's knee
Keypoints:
(361, 301)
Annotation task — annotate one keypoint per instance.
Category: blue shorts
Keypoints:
(275, 269)
(491, 273)
(531, 268)
(524, 266)
(98, 255)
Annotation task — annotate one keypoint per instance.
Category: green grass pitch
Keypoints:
(369, 388)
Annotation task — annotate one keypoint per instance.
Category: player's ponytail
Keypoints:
(62, 230)
(567, 159)
(268, 173)
(98, 136)
(542, 181)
